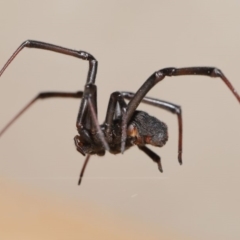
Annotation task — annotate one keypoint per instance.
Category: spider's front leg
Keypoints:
(91, 139)
(92, 71)
(90, 132)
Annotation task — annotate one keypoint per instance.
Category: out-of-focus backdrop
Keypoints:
(124, 196)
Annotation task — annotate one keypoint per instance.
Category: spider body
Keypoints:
(142, 129)
(124, 125)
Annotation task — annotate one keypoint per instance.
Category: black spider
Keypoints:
(124, 126)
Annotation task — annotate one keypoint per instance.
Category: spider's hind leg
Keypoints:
(153, 156)
(173, 108)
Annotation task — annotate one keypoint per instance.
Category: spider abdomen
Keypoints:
(146, 129)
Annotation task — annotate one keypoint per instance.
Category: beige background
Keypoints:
(125, 196)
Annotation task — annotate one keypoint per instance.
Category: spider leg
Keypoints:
(116, 108)
(173, 108)
(87, 117)
(92, 71)
(47, 46)
(153, 156)
(161, 74)
(42, 95)
(83, 169)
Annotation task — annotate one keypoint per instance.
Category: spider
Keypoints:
(124, 126)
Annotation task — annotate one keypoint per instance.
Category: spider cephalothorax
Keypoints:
(124, 126)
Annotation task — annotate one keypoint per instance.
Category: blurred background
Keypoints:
(123, 196)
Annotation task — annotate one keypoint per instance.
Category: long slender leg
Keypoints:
(42, 95)
(47, 46)
(173, 108)
(79, 54)
(160, 75)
